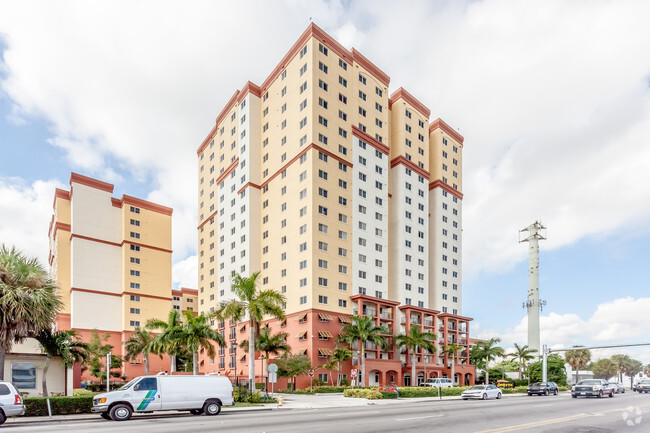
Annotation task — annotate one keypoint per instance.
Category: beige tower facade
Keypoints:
(339, 194)
(111, 259)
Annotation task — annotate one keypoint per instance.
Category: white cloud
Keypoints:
(617, 322)
(22, 207)
(184, 273)
(552, 97)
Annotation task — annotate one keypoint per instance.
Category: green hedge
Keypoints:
(388, 395)
(37, 406)
(329, 389)
(370, 394)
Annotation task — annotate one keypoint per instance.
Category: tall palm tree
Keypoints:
(412, 341)
(28, 300)
(270, 344)
(522, 354)
(577, 358)
(166, 341)
(195, 333)
(254, 304)
(330, 365)
(61, 344)
(622, 364)
(486, 351)
(452, 349)
(341, 354)
(142, 342)
(362, 330)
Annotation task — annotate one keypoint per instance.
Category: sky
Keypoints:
(552, 97)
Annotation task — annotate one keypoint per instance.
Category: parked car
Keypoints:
(643, 386)
(197, 394)
(482, 392)
(543, 388)
(592, 388)
(618, 387)
(438, 382)
(11, 402)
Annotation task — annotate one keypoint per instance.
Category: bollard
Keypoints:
(279, 400)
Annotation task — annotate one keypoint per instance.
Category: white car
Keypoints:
(11, 402)
(482, 392)
(438, 382)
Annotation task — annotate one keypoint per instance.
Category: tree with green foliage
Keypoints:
(522, 355)
(577, 358)
(254, 304)
(141, 341)
(195, 333)
(96, 352)
(452, 349)
(291, 366)
(485, 351)
(330, 365)
(604, 368)
(634, 367)
(270, 344)
(60, 344)
(555, 371)
(623, 363)
(166, 341)
(362, 330)
(341, 354)
(28, 300)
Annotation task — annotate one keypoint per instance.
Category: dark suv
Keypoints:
(543, 388)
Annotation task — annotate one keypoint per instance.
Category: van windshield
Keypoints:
(129, 385)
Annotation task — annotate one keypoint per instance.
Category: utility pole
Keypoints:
(535, 233)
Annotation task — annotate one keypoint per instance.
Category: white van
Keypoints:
(197, 394)
(439, 382)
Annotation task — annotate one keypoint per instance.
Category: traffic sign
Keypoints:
(273, 377)
(311, 373)
(353, 372)
(272, 368)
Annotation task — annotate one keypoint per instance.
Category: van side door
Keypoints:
(146, 395)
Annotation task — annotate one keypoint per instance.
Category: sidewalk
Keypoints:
(289, 402)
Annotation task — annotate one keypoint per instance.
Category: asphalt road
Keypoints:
(510, 414)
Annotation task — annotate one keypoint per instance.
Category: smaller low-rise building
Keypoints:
(185, 299)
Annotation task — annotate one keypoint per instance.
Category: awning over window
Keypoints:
(345, 319)
(324, 316)
(302, 334)
(301, 351)
(242, 358)
(302, 317)
(327, 352)
(324, 334)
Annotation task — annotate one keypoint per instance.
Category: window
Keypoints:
(135, 247)
(343, 82)
(322, 282)
(134, 298)
(135, 285)
(322, 67)
(135, 323)
(135, 311)
(322, 120)
(322, 48)
(303, 51)
(322, 84)
(343, 98)
(303, 123)
(322, 103)
(343, 303)
(362, 79)
(135, 222)
(342, 115)
(135, 273)
(303, 300)
(135, 235)
(362, 95)
(23, 375)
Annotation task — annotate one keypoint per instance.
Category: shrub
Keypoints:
(388, 395)
(515, 390)
(37, 406)
(371, 394)
(83, 392)
(260, 385)
(329, 389)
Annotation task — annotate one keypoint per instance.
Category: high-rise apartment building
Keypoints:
(185, 299)
(346, 198)
(111, 259)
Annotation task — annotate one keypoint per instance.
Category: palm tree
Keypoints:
(195, 333)
(140, 342)
(254, 304)
(270, 344)
(166, 341)
(412, 341)
(61, 344)
(28, 300)
(577, 358)
(362, 330)
(452, 349)
(622, 365)
(522, 354)
(486, 351)
(341, 354)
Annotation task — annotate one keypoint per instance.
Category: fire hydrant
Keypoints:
(279, 400)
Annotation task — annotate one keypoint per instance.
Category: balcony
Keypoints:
(369, 312)
(385, 315)
(451, 327)
(415, 321)
(428, 322)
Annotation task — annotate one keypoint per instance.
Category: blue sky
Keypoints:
(552, 99)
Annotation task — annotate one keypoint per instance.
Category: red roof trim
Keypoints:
(228, 170)
(370, 67)
(224, 112)
(89, 181)
(441, 124)
(401, 93)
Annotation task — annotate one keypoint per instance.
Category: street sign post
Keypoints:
(353, 375)
(273, 374)
(311, 380)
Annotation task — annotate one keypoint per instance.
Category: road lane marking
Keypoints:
(533, 424)
(543, 405)
(418, 417)
(355, 414)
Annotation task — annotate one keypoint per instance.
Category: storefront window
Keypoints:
(23, 375)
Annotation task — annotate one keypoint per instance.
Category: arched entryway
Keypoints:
(407, 380)
(468, 379)
(392, 378)
(374, 378)
(420, 379)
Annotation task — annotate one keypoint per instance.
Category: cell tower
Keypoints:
(534, 233)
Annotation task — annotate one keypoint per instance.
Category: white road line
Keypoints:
(543, 405)
(339, 415)
(418, 417)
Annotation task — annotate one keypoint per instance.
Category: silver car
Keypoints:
(482, 392)
(11, 402)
